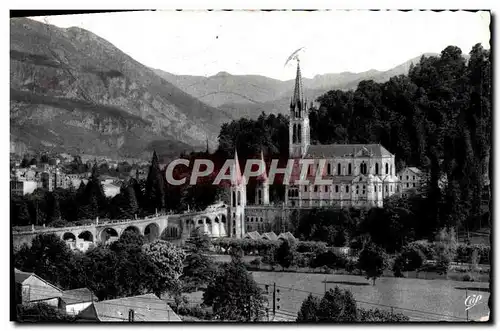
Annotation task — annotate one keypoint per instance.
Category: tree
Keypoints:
(48, 257)
(155, 187)
(445, 249)
(234, 295)
(199, 267)
(286, 254)
(167, 260)
(337, 306)
(372, 260)
(309, 310)
(129, 242)
(411, 258)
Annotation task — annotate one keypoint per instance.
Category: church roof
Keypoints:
(346, 150)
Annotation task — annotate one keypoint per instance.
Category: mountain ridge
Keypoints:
(71, 80)
(248, 95)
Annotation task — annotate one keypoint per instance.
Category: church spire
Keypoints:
(298, 93)
(237, 176)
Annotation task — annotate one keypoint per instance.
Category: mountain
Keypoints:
(248, 96)
(75, 92)
(226, 88)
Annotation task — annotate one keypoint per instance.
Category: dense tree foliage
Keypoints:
(127, 267)
(199, 267)
(339, 306)
(234, 295)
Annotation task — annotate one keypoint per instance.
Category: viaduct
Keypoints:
(173, 227)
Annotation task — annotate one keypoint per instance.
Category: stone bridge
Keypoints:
(173, 227)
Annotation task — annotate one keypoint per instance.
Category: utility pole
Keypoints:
(466, 310)
(274, 299)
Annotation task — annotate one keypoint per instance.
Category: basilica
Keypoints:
(358, 175)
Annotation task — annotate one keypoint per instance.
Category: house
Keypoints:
(22, 187)
(286, 236)
(76, 300)
(410, 178)
(110, 190)
(270, 236)
(32, 289)
(140, 308)
(252, 235)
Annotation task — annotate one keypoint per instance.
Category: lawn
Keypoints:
(419, 299)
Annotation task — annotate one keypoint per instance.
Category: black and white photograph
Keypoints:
(251, 166)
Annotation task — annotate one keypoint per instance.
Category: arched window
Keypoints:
(338, 169)
(234, 199)
(376, 168)
(387, 168)
(347, 188)
(363, 168)
(299, 133)
(239, 198)
(336, 189)
(375, 188)
(349, 169)
(260, 196)
(329, 169)
(357, 189)
(294, 139)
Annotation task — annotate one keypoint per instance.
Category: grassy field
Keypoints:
(419, 299)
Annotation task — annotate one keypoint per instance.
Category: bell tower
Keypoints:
(299, 130)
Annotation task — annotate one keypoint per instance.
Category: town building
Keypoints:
(76, 300)
(22, 187)
(140, 308)
(29, 288)
(410, 178)
(358, 175)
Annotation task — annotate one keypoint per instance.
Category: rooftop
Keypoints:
(347, 150)
(147, 308)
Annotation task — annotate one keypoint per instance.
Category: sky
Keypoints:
(253, 42)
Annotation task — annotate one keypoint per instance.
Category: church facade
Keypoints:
(357, 175)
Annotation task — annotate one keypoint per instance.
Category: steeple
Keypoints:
(298, 93)
(237, 170)
(263, 177)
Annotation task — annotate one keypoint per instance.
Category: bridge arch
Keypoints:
(107, 234)
(131, 228)
(86, 236)
(68, 236)
(151, 232)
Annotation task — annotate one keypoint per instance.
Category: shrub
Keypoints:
(376, 315)
(304, 259)
(309, 310)
(311, 247)
(428, 249)
(256, 263)
(411, 258)
(469, 277)
(337, 306)
(350, 266)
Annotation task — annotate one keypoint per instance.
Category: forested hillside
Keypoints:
(437, 118)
